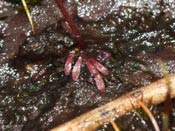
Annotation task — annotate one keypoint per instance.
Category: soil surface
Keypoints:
(36, 95)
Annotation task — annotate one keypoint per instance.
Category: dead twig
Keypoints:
(154, 93)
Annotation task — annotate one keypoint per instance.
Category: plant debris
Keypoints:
(127, 38)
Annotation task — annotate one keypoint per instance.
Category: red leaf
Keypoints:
(76, 69)
(101, 68)
(99, 83)
(91, 68)
(68, 64)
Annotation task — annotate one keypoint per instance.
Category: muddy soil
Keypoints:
(36, 95)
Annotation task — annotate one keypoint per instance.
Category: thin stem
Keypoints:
(150, 115)
(115, 126)
(71, 23)
(28, 15)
